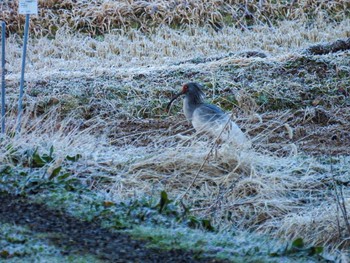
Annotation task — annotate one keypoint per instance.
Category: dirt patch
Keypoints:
(75, 236)
(321, 49)
(140, 132)
(315, 131)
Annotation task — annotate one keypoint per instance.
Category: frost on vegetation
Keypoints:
(235, 246)
(286, 197)
(17, 242)
(125, 53)
(273, 194)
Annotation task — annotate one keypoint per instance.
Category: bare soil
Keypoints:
(316, 131)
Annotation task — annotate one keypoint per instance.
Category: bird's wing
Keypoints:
(210, 112)
(207, 116)
(211, 119)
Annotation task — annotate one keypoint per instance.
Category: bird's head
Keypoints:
(191, 90)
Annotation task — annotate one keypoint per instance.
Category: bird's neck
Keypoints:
(190, 103)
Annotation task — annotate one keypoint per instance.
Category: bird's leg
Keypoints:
(217, 144)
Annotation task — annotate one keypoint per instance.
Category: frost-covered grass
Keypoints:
(100, 16)
(20, 243)
(103, 97)
(236, 247)
(285, 197)
(124, 54)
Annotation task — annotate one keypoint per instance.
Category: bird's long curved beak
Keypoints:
(174, 98)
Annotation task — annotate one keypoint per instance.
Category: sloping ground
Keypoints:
(104, 99)
(301, 99)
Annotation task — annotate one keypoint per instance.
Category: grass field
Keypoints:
(100, 74)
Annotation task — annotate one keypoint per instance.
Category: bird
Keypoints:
(209, 118)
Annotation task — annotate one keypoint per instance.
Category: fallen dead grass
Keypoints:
(81, 89)
(286, 197)
(127, 53)
(100, 17)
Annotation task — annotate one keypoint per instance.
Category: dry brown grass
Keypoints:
(130, 53)
(104, 97)
(286, 197)
(99, 17)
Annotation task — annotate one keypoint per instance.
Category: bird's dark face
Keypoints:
(190, 89)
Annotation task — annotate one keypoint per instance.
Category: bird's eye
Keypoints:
(185, 88)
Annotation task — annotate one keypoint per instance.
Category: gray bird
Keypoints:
(208, 118)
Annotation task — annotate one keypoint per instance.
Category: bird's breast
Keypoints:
(188, 109)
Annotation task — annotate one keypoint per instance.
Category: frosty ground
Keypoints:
(103, 98)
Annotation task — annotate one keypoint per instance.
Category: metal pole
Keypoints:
(3, 38)
(20, 100)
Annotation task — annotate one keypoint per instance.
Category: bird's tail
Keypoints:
(236, 136)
